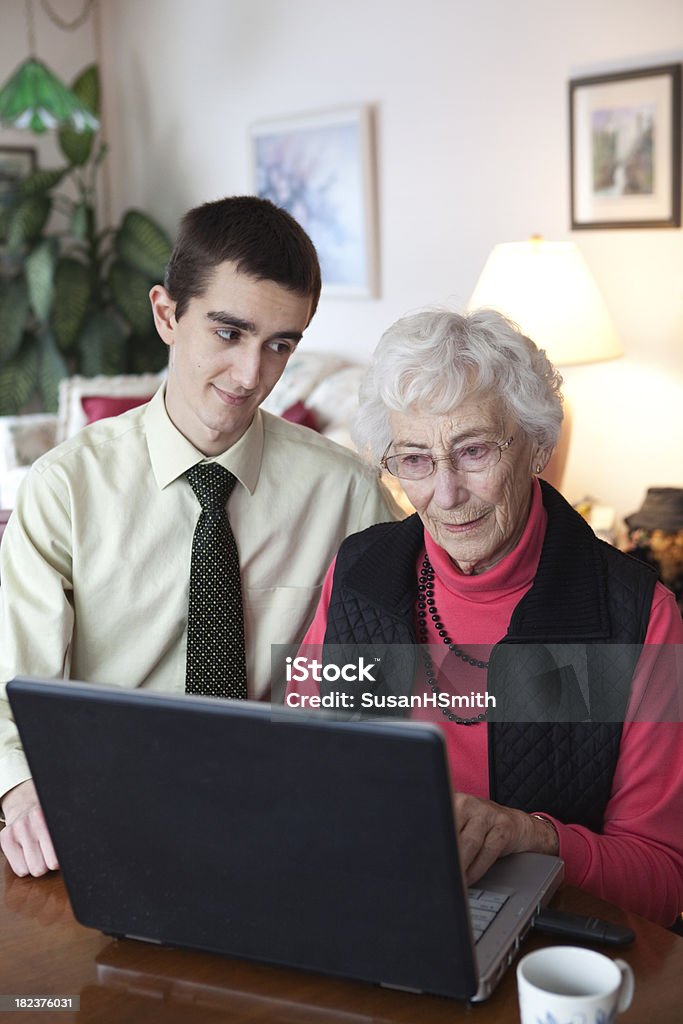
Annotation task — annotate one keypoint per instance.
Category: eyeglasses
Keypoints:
(471, 458)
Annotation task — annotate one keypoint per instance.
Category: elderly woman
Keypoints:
(491, 574)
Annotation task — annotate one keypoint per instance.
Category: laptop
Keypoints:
(270, 834)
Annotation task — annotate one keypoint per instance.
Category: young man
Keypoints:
(98, 560)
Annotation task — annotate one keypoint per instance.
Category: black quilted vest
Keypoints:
(587, 596)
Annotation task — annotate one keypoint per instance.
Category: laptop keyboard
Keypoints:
(484, 905)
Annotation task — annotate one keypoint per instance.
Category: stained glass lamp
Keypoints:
(34, 98)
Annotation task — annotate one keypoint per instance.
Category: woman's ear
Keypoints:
(541, 459)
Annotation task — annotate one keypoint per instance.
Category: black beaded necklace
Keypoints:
(425, 605)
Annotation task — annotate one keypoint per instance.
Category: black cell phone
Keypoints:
(584, 929)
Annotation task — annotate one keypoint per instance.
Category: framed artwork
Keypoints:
(625, 149)
(320, 168)
(16, 163)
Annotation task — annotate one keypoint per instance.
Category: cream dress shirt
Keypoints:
(95, 560)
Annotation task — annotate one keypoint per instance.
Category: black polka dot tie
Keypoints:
(216, 663)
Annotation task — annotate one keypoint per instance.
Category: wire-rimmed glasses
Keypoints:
(473, 457)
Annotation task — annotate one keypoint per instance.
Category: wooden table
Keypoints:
(44, 951)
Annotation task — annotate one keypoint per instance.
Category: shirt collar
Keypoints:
(172, 454)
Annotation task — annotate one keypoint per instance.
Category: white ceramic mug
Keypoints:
(572, 985)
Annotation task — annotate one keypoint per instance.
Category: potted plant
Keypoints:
(74, 294)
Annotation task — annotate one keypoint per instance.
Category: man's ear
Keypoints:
(163, 310)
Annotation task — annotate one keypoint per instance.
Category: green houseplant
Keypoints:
(73, 294)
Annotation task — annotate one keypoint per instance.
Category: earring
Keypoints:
(539, 467)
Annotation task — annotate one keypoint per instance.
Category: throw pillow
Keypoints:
(299, 413)
(99, 407)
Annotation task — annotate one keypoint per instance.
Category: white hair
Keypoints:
(431, 360)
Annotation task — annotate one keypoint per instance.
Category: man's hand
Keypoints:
(487, 831)
(25, 840)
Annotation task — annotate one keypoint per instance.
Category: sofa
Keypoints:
(82, 400)
(4, 516)
(318, 390)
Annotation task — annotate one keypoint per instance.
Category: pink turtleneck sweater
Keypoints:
(637, 861)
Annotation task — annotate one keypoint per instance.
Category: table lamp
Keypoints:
(549, 292)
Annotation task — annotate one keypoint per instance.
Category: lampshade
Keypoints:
(549, 292)
(34, 98)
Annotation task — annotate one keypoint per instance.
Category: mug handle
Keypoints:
(627, 986)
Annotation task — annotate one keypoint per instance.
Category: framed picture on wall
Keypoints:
(320, 167)
(625, 149)
(16, 163)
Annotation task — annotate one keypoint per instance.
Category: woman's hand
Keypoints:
(487, 831)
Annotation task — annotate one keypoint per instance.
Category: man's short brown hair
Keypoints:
(261, 239)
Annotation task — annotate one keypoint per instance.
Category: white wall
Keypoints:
(472, 144)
